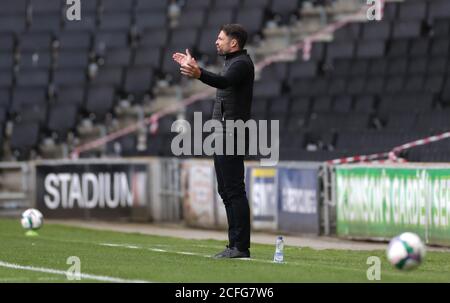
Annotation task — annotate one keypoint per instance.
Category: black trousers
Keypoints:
(231, 187)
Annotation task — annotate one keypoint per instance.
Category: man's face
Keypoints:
(224, 43)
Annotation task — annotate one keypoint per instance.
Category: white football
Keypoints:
(406, 251)
(32, 219)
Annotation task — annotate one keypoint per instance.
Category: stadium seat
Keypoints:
(148, 57)
(33, 77)
(377, 30)
(36, 60)
(400, 121)
(7, 42)
(398, 66)
(109, 6)
(364, 104)
(124, 146)
(441, 27)
(69, 76)
(74, 40)
(359, 67)
(251, 19)
(407, 29)
(277, 72)
(390, 11)
(416, 10)
(192, 18)
(6, 60)
(342, 104)
(378, 67)
(24, 138)
(351, 31)
(184, 38)
(370, 49)
(300, 105)
(35, 42)
(301, 69)
(437, 65)
(70, 95)
(108, 76)
(155, 5)
(5, 98)
(356, 85)
(266, 89)
(72, 59)
(226, 4)
(216, 18)
(34, 113)
(284, 9)
(115, 21)
(138, 80)
(197, 4)
(437, 121)
(46, 23)
(110, 39)
(62, 119)
(100, 101)
(154, 38)
(13, 7)
(279, 106)
(207, 41)
(46, 6)
(318, 51)
(322, 104)
(117, 57)
(23, 97)
(89, 23)
(419, 47)
(337, 86)
(440, 47)
(336, 49)
(150, 20)
(12, 24)
(439, 9)
(6, 79)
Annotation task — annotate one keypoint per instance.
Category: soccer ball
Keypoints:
(406, 251)
(32, 219)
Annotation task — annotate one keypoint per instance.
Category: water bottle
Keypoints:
(278, 257)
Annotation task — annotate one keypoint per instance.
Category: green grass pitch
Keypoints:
(130, 257)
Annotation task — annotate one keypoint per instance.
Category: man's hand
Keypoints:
(191, 70)
(183, 59)
(189, 66)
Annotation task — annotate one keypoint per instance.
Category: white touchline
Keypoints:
(62, 272)
(240, 259)
(178, 252)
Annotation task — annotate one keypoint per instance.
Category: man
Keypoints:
(233, 102)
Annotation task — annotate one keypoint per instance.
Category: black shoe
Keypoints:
(235, 253)
(223, 254)
(232, 252)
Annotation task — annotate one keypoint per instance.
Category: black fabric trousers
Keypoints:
(231, 188)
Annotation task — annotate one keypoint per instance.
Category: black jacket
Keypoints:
(234, 87)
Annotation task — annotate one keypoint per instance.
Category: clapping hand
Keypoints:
(189, 66)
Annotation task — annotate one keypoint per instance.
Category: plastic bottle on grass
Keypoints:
(279, 256)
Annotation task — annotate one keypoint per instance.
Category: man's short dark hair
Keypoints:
(236, 31)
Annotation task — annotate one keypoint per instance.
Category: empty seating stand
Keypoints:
(375, 85)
